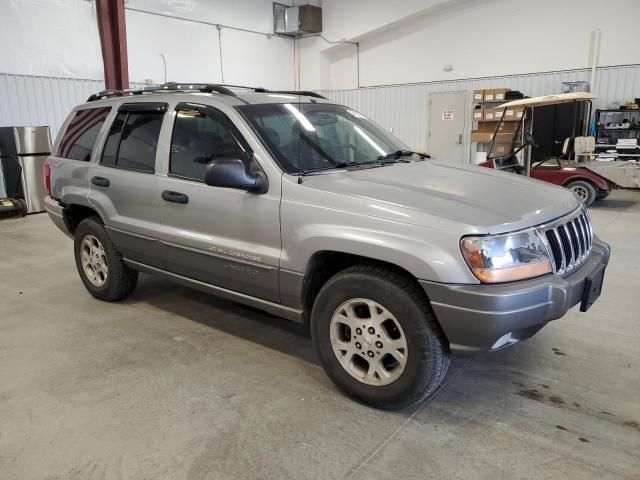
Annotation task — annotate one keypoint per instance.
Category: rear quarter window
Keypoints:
(80, 136)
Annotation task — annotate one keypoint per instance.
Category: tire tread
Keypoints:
(437, 356)
(123, 279)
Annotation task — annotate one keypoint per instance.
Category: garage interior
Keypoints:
(174, 383)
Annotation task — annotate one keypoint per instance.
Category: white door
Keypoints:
(447, 120)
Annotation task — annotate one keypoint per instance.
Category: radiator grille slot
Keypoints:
(555, 248)
(569, 240)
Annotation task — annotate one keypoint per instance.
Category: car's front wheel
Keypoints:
(377, 337)
(99, 263)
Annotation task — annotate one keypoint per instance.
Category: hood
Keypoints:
(435, 194)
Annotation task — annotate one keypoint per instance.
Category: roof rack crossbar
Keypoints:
(306, 93)
(172, 86)
(224, 89)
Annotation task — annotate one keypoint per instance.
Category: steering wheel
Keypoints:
(528, 138)
(505, 162)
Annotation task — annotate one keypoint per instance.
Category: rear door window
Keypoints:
(133, 137)
(80, 136)
(110, 151)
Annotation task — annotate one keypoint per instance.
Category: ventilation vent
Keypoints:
(296, 21)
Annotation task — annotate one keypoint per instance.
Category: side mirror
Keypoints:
(232, 173)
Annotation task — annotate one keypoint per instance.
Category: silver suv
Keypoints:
(306, 209)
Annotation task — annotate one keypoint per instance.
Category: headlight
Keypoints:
(506, 258)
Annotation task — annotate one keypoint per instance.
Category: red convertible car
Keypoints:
(588, 185)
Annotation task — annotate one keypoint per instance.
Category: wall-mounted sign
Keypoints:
(447, 114)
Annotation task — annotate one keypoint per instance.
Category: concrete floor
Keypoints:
(175, 384)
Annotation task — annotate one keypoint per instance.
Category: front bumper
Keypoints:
(475, 317)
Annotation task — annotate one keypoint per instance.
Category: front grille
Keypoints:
(569, 241)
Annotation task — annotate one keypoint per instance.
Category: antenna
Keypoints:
(296, 62)
(299, 146)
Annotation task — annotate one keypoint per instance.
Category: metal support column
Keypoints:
(113, 40)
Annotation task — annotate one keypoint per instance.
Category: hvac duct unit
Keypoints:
(296, 21)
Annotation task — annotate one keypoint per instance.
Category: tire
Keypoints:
(585, 191)
(350, 297)
(602, 194)
(95, 252)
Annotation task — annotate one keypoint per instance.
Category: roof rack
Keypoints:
(172, 86)
(223, 89)
(306, 93)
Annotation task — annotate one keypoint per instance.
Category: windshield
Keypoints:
(319, 136)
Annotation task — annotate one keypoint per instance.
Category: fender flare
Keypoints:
(415, 252)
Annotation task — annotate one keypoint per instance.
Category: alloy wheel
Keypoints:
(582, 192)
(94, 260)
(368, 341)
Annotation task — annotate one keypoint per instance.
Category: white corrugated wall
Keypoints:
(405, 108)
(32, 101)
(28, 100)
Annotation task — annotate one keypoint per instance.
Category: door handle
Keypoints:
(459, 139)
(100, 181)
(175, 197)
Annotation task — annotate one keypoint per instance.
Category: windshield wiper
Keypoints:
(396, 156)
(379, 162)
(350, 165)
(344, 164)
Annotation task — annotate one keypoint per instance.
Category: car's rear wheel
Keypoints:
(99, 263)
(584, 190)
(377, 337)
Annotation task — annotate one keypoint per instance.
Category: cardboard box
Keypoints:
(513, 114)
(499, 94)
(481, 137)
(509, 126)
(489, 95)
(493, 114)
(478, 115)
(505, 138)
(500, 149)
(478, 96)
(509, 114)
(487, 127)
(519, 112)
(490, 127)
(502, 137)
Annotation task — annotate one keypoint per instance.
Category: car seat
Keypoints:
(576, 147)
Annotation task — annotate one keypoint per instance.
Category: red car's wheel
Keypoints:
(584, 190)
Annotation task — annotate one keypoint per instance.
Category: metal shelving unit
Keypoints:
(607, 137)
